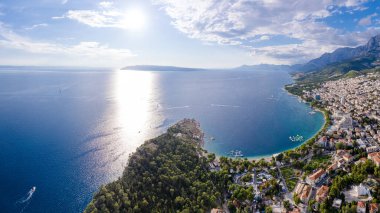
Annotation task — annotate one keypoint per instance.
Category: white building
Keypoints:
(361, 190)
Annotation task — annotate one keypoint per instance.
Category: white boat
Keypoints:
(296, 138)
(236, 153)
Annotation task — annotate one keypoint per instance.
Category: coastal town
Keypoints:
(338, 170)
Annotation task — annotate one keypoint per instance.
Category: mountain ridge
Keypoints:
(370, 50)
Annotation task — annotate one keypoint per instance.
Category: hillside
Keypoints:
(165, 174)
(337, 70)
(369, 50)
(335, 65)
(264, 67)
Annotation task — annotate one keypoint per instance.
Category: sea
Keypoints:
(67, 131)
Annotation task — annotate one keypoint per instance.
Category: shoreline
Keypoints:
(269, 157)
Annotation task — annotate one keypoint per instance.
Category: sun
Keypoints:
(134, 19)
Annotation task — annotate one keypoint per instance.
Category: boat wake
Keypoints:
(24, 202)
(179, 107)
(223, 105)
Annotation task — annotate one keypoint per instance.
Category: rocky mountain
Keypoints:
(264, 67)
(369, 50)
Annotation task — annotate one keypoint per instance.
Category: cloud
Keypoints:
(264, 38)
(243, 22)
(92, 51)
(367, 20)
(106, 4)
(94, 18)
(105, 17)
(57, 17)
(64, 1)
(36, 26)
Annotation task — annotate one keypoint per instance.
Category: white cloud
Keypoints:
(36, 26)
(94, 18)
(105, 17)
(57, 17)
(64, 1)
(238, 21)
(264, 38)
(92, 51)
(106, 4)
(367, 20)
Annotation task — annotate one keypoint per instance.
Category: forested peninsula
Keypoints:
(169, 173)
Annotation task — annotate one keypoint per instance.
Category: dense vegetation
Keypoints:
(166, 174)
(343, 180)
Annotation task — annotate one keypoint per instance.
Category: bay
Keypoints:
(69, 131)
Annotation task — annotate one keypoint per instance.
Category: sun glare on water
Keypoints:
(134, 93)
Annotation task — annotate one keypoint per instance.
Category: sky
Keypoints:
(189, 33)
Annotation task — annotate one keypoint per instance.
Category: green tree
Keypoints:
(287, 205)
(268, 209)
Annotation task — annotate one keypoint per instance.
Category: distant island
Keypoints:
(257, 67)
(159, 68)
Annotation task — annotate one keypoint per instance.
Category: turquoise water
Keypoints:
(69, 131)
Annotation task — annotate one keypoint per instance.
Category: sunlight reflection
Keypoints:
(134, 93)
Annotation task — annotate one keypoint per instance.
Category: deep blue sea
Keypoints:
(69, 131)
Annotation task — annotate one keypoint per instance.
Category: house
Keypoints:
(375, 157)
(373, 208)
(316, 177)
(295, 210)
(322, 193)
(323, 142)
(304, 197)
(361, 160)
(348, 158)
(361, 190)
(372, 149)
(361, 207)
(361, 143)
(303, 191)
(215, 210)
(332, 167)
(299, 187)
(337, 203)
(339, 154)
(341, 162)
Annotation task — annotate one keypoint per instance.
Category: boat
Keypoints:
(312, 112)
(296, 138)
(236, 153)
(33, 189)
